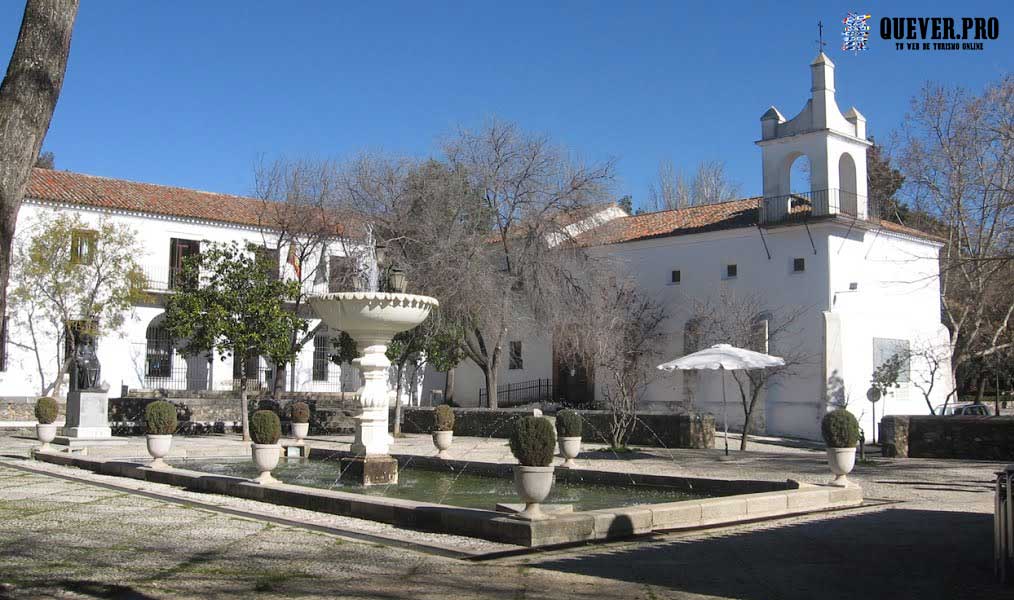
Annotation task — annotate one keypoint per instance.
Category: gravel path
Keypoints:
(68, 539)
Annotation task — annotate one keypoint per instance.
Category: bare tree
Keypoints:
(299, 225)
(747, 322)
(481, 230)
(673, 190)
(28, 97)
(618, 336)
(931, 362)
(958, 163)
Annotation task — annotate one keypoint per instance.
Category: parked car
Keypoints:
(968, 409)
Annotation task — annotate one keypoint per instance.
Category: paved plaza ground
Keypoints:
(65, 533)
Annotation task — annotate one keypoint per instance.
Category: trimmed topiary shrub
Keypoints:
(46, 410)
(533, 441)
(160, 418)
(443, 418)
(840, 429)
(569, 423)
(265, 428)
(300, 412)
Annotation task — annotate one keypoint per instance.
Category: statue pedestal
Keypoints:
(87, 421)
(370, 470)
(87, 415)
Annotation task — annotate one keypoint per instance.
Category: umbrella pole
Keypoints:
(725, 415)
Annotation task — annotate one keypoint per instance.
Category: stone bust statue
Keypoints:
(85, 370)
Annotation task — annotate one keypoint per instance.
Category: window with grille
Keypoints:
(731, 271)
(884, 349)
(158, 355)
(321, 344)
(675, 276)
(798, 265)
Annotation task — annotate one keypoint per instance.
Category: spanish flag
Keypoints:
(294, 261)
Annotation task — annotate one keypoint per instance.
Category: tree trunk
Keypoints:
(278, 382)
(28, 96)
(244, 410)
(449, 386)
(490, 373)
(980, 392)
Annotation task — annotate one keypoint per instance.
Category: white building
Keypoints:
(171, 223)
(869, 288)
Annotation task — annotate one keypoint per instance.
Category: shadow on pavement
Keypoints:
(894, 553)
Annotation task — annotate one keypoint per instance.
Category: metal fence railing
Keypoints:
(817, 203)
(523, 392)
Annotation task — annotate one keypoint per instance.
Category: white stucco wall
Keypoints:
(122, 353)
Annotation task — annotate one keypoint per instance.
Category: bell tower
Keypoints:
(835, 145)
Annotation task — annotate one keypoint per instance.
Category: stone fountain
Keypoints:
(372, 319)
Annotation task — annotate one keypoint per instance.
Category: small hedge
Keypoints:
(443, 418)
(300, 412)
(46, 410)
(569, 423)
(160, 418)
(533, 441)
(840, 429)
(265, 428)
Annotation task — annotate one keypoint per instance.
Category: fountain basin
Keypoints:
(370, 316)
(732, 501)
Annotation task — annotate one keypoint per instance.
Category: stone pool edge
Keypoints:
(585, 526)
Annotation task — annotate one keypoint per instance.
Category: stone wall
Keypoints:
(660, 430)
(978, 438)
(199, 412)
(21, 409)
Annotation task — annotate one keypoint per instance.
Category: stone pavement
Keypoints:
(68, 539)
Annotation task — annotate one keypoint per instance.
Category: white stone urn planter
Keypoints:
(299, 431)
(158, 448)
(442, 440)
(841, 461)
(533, 485)
(46, 432)
(570, 447)
(266, 456)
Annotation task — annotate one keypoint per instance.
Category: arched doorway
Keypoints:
(166, 367)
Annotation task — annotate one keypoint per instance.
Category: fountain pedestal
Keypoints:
(372, 319)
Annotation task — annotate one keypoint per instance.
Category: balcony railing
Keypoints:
(832, 202)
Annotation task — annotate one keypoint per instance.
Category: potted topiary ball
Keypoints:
(300, 421)
(568, 431)
(532, 443)
(443, 429)
(265, 429)
(160, 424)
(46, 411)
(841, 434)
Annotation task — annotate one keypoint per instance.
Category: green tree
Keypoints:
(70, 274)
(235, 308)
(883, 182)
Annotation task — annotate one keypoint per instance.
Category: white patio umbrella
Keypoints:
(723, 357)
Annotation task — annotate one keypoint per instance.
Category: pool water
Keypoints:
(456, 489)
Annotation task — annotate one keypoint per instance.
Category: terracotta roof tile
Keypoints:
(695, 219)
(118, 194)
(733, 214)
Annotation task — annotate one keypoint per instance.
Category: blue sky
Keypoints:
(193, 93)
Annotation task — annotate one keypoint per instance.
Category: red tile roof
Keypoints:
(732, 214)
(118, 194)
(695, 219)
